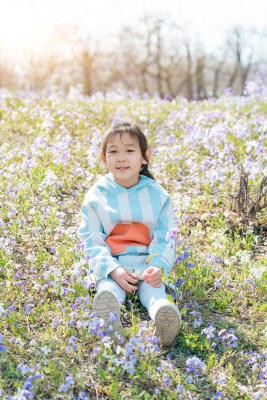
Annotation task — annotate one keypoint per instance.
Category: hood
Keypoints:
(107, 182)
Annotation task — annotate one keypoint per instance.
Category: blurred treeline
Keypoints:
(152, 56)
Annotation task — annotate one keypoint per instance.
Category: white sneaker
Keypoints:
(105, 302)
(167, 322)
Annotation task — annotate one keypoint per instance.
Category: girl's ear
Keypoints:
(148, 155)
(103, 158)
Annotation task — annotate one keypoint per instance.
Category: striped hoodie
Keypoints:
(124, 227)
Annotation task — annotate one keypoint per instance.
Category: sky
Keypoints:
(23, 23)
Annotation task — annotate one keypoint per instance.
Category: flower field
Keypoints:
(51, 345)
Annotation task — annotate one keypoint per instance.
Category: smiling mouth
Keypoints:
(122, 168)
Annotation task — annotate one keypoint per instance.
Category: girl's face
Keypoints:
(124, 159)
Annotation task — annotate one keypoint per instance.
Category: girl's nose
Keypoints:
(121, 157)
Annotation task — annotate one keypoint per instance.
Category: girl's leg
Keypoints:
(165, 314)
(152, 298)
(112, 286)
(107, 302)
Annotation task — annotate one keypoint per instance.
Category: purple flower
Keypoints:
(135, 340)
(113, 317)
(223, 332)
(27, 385)
(171, 237)
(195, 362)
(141, 348)
(69, 382)
(179, 282)
(228, 91)
(96, 350)
(83, 395)
(63, 388)
(166, 379)
(197, 322)
(72, 340)
(190, 379)
(180, 389)
(209, 332)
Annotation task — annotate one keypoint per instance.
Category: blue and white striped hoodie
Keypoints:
(123, 227)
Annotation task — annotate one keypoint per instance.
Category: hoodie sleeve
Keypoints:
(164, 249)
(92, 234)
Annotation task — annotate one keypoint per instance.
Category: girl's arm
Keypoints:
(92, 234)
(159, 245)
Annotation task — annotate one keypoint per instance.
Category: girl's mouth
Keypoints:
(122, 168)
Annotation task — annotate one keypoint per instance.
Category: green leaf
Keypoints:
(101, 374)
(169, 297)
(47, 370)
(263, 307)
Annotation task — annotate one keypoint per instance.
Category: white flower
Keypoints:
(243, 388)
(2, 310)
(263, 127)
(47, 124)
(4, 147)
(19, 341)
(21, 395)
(250, 144)
(45, 350)
(30, 257)
(50, 179)
(79, 324)
(251, 87)
(257, 270)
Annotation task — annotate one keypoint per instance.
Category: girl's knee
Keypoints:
(147, 292)
(109, 284)
(148, 288)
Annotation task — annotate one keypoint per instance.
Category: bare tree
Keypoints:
(239, 45)
(157, 56)
(218, 67)
(7, 73)
(85, 55)
(200, 77)
(45, 67)
(189, 73)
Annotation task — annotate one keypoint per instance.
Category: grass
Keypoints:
(51, 346)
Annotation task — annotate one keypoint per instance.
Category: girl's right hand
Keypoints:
(123, 277)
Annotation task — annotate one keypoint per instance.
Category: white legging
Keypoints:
(151, 298)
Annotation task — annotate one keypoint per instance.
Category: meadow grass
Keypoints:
(51, 345)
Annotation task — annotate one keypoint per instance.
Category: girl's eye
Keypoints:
(130, 151)
(112, 151)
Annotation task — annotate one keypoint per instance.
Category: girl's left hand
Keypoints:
(153, 276)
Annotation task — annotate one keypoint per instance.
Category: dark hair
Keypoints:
(136, 133)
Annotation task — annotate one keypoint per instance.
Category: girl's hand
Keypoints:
(123, 277)
(153, 276)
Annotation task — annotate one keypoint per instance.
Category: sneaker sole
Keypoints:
(167, 322)
(104, 303)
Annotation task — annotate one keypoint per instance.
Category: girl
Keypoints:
(125, 218)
